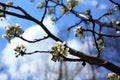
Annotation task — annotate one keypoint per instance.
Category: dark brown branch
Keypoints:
(15, 7)
(116, 3)
(103, 16)
(37, 52)
(58, 18)
(14, 14)
(75, 25)
(112, 67)
(46, 3)
(96, 61)
(95, 40)
(34, 41)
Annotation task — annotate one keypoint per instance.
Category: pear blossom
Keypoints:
(72, 3)
(57, 49)
(113, 76)
(11, 31)
(79, 32)
(41, 5)
(20, 50)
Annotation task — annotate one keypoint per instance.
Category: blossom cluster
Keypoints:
(79, 31)
(100, 43)
(113, 76)
(57, 49)
(11, 31)
(50, 11)
(64, 10)
(20, 50)
(41, 5)
(72, 3)
(116, 23)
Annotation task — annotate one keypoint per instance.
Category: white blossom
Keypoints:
(20, 50)
(41, 5)
(79, 32)
(59, 48)
(72, 3)
(11, 31)
(113, 76)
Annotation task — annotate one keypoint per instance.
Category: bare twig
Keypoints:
(15, 7)
(37, 52)
(45, 11)
(34, 41)
(103, 16)
(116, 3)
(95, 40)
(75, 25)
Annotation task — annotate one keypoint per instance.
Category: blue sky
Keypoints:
(31, 65)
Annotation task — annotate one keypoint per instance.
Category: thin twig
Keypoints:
(45, 11)
(116, 3)
(95, 40)
(75, 25)
(103, 16)
(15, 7)
(34, 41)
(37, 52)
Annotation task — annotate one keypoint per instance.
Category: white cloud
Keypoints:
(81, 46)
(3, 76)
(22, 65)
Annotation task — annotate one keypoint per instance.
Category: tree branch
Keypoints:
(15, 7)
(14, 14)
(96, 61)
(37, 52)
(75, 25)
(95, 40)
(87, 58)
(46, 1)
(34, 41)
(115, 3)
(87, 18)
